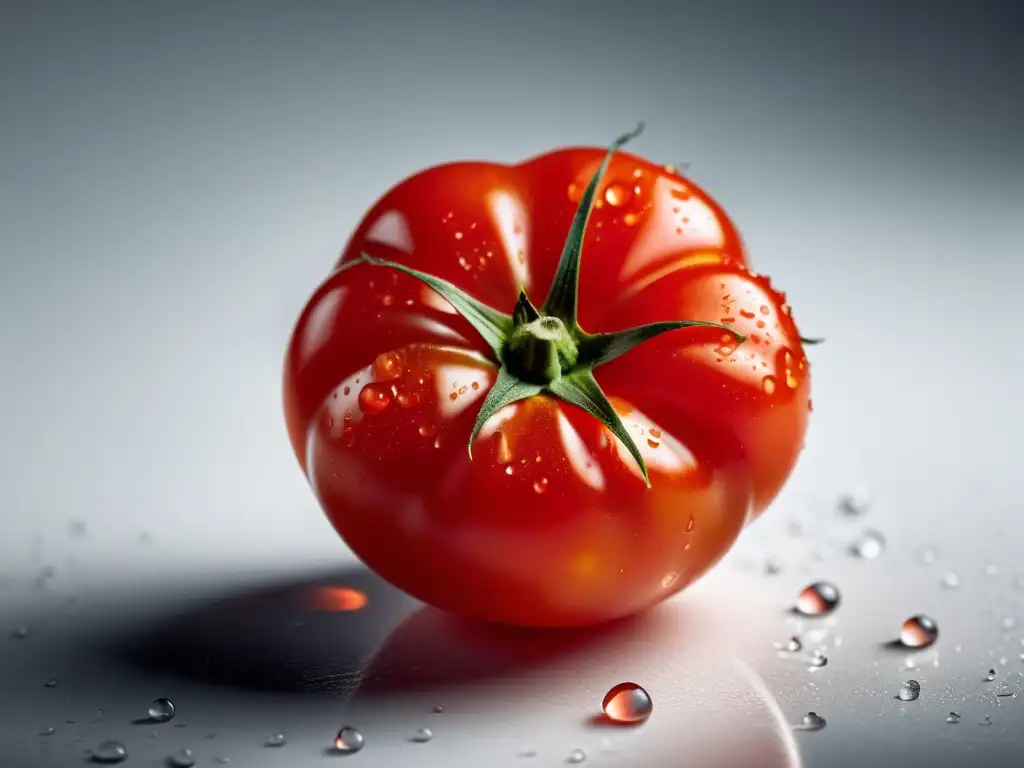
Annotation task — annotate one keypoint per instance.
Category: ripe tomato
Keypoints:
(550, 523)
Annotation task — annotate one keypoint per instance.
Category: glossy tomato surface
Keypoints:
(550, 523)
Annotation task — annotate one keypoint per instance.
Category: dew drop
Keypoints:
(950, 580)
(818, 660)
(183, 758)
(48, 731)
(768, 385)
(812, 722)
(577, 756)
(508, 470)
(423, 735)
(791, 381)
(990, 676)
(458, 235)
(349, 740)
(869, 546)
(910, 691)
(669, 579)
(277, 740)
(617, 194)
(575, 193)
(438, 709)
(919, 632)
(52, 683)
(627, 703)
(110, 752)
(793, 645)
(373, 399)
(818, 599)
(630, 219)
(541, 485)
(953, 718)
(387, 366)
(161, 710)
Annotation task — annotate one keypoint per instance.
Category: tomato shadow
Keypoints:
(310, 636)
(431, 649)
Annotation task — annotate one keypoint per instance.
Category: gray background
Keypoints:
(175, 179)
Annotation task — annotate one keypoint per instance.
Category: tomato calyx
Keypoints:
(545, 351)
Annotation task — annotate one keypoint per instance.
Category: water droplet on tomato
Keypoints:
(919, 632)
(423, 735)
(617, 194)
(812, 722)
(630, 219)
(183, 758)
(768, 385)
(791, 381)
(407, 398)
(508, 470)
(521, 257)
(463, 263)
(387, 366)
(458, 235)
(910, 690)
(374, 399)
(869, 546)
(627, 703)
(427, 430)
(576, 757)
(818, 599)
(349, 740)
(669, 579)
(575, 193)
(161, 710)
(110, 752)
(541, 485)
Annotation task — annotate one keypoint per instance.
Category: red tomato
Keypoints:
(550, 523)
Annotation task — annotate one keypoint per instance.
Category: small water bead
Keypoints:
(953, 717)
(52, 683)
(812, 722)
(183, 758)
(818, 599)
(768, 385)
(1005, 690)
(48, 731)
(577, 756)
(852, 504)
(161, 710)
(277, 740)
(951, 581)
(541, 485)
(910, 691)
(986, 721)
(818, 660)
(990, 676)
(919, 632)
(1008, 623)
(222, 760)
(438, 709)
(374, 399)
(20, 633)
(423, 735)
(793, 645)
(349, 740)
(617, 194)
(627, 703)
(109, 753)
(869, 546)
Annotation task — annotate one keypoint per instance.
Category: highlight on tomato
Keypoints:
(548, 394)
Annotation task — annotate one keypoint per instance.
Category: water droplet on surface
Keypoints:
(627, 703)
(20, 633)
(793, 645)
(772, 567)
(768, 385)
(869, 546)
(617, 194)
(423, 735)
(953, 717)
(986, 721)
(374, 399)
(110, 752)
(812, 722)
(991, 569)
(222, 760)
(1005, 689)
(577, 756)
(277, 740)
(910, 691)
(349, 740)
(990, 676)
(161, 710)
(818, 599)
(438, 709)
(919, 632)
(183, 758)
(48, 731)
(1008, 623)
(818, 659)
(951, 580)
(541, 485)
(51, 683)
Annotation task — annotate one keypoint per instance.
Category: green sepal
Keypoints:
(495, 327)
(581, 389)
(507, 389)
(598, 349)
(562, 297)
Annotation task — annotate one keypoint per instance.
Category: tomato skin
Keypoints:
(550, 523)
